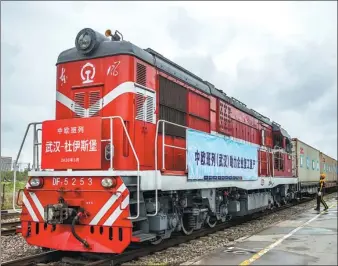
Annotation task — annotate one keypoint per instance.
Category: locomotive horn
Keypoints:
(116, 37)
(108, 33)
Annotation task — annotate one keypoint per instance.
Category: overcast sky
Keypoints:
(279, 58)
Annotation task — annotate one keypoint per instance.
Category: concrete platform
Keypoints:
(306, 239)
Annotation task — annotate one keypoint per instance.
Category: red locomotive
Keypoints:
(116, 163)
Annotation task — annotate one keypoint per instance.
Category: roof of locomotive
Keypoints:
(110, 48)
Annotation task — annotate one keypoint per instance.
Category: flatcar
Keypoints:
(140, 148)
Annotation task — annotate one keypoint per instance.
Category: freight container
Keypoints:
(328, 166)
(306, 165)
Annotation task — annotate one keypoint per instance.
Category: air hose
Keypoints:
(76, 219)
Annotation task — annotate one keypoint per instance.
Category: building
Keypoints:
(6, 163)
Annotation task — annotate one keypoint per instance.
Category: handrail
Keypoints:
(273, 164)
(268, 170)
(17, 160)
(163, 155)
(111, 118)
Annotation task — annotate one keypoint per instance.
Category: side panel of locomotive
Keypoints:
(186, 100)
(182, 105)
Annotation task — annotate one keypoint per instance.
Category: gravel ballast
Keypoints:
(14, 247)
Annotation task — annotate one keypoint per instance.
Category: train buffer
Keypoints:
(306, 239)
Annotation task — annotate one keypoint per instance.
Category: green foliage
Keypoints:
(10, 185)
(7, 186)
(7, 193)
(8, 176)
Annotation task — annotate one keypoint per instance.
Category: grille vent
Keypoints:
(94, 103)
(79, 99)
(141, 74)
(139, 106)
(145, 105)
(150, 109)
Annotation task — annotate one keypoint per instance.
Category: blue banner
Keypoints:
(219, 158)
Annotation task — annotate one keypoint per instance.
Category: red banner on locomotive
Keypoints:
(71, 143)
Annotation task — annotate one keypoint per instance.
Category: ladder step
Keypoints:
(137, 232)
(141, 237)
(140, 218)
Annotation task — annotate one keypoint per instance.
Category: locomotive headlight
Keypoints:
(35, 182)
(87, 40)
(84, 40)
(108, 182)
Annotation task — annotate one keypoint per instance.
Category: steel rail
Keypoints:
(38, 258)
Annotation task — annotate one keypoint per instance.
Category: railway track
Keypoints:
(139, 250)
(8, 214)
(9, 228)
(130, 255)
(45, 257)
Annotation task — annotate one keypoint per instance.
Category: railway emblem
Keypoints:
(262, 181)
(87, 73)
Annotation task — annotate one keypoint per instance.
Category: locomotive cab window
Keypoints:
(277, 141)
(288, 147)
(263, 137)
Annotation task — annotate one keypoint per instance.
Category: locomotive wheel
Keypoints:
(211, 221)
(185, 225)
